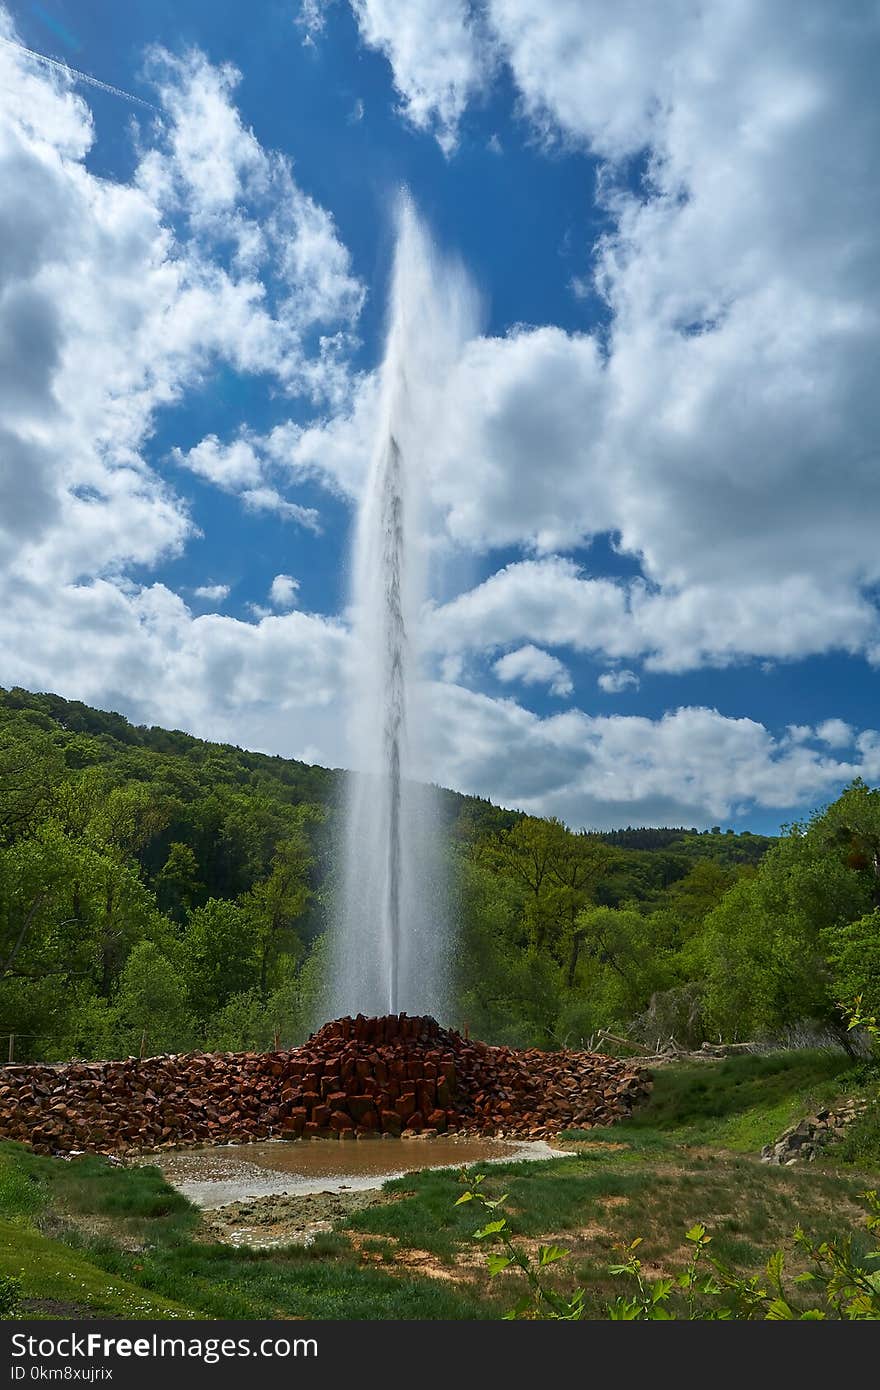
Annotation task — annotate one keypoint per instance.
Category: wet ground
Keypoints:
(264, 1222)
(236, 1173)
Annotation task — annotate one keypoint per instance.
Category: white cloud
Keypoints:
(836, 733)
(107, 314)
(440, 56)
(613, 682)
(232, 467)
(724, 431)
(335, 449)
(268, 499)
(268, 240)
(553, 601)
(533, 666)
(311, 18)
(243, 467)
(272, 685)
(693, 766)
(332, 449)
(214, 593)
(798, 733)
(115, 299)
(524, 426)
(284, 591)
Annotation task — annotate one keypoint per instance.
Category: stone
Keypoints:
(406, 1105)
(360, 1106)
(353, 1076)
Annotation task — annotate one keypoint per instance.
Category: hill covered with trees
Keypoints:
(159, 892)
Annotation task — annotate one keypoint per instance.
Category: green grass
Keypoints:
(59, 1282)
(91, 1239)
(742, 1102)
(68, 1227)
(552, 1196)
(324, 1280)
(21, 1193)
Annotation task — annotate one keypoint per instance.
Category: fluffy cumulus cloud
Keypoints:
(271, 685)
(836, 733)
(211, 168)
(693, 766)
(439, 57)
(533, 666)
(212, 593)
(724, 428)
(269, 499)
(284, 591)
(332, 449)
(554, 600)
(233, 467)
(614, 682)
(115, 299)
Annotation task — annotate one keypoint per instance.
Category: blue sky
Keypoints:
(653, 500)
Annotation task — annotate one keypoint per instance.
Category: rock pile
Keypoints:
(805, 1139)
(357, 1078)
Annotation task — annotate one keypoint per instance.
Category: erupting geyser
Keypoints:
(392, 935)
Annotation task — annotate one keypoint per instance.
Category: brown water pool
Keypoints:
(213, 1177)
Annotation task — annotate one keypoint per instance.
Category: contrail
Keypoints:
(76, 75)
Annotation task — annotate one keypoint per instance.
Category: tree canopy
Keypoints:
(160, 891)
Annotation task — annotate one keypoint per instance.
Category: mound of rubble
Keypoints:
(357, 1078)
(809, 1137)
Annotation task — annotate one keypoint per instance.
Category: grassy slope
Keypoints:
(92, 1239)
(99, 1239)
(744, 1102)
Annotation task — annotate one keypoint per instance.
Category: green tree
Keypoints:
(30, 765)
(524, 855)
(626, 964)
(504, 992)
(275, 905)
(766, 944)
(177, 885)
(854, 956)
(150, 1008)
(851, 825)
(579, 863)
(557, 872)
(69, 909)
(219, 955)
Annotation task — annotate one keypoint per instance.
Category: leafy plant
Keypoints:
(707, 1289)
(857, 1018)
(542, 1301)
(651, 1299)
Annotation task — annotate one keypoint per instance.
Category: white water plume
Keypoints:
(392, 938)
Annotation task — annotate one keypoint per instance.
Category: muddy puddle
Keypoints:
(214, 1177)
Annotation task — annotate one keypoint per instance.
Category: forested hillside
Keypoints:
(159, 892)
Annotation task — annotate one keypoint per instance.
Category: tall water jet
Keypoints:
(391, 943)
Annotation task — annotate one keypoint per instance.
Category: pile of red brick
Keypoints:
(357, 1078)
